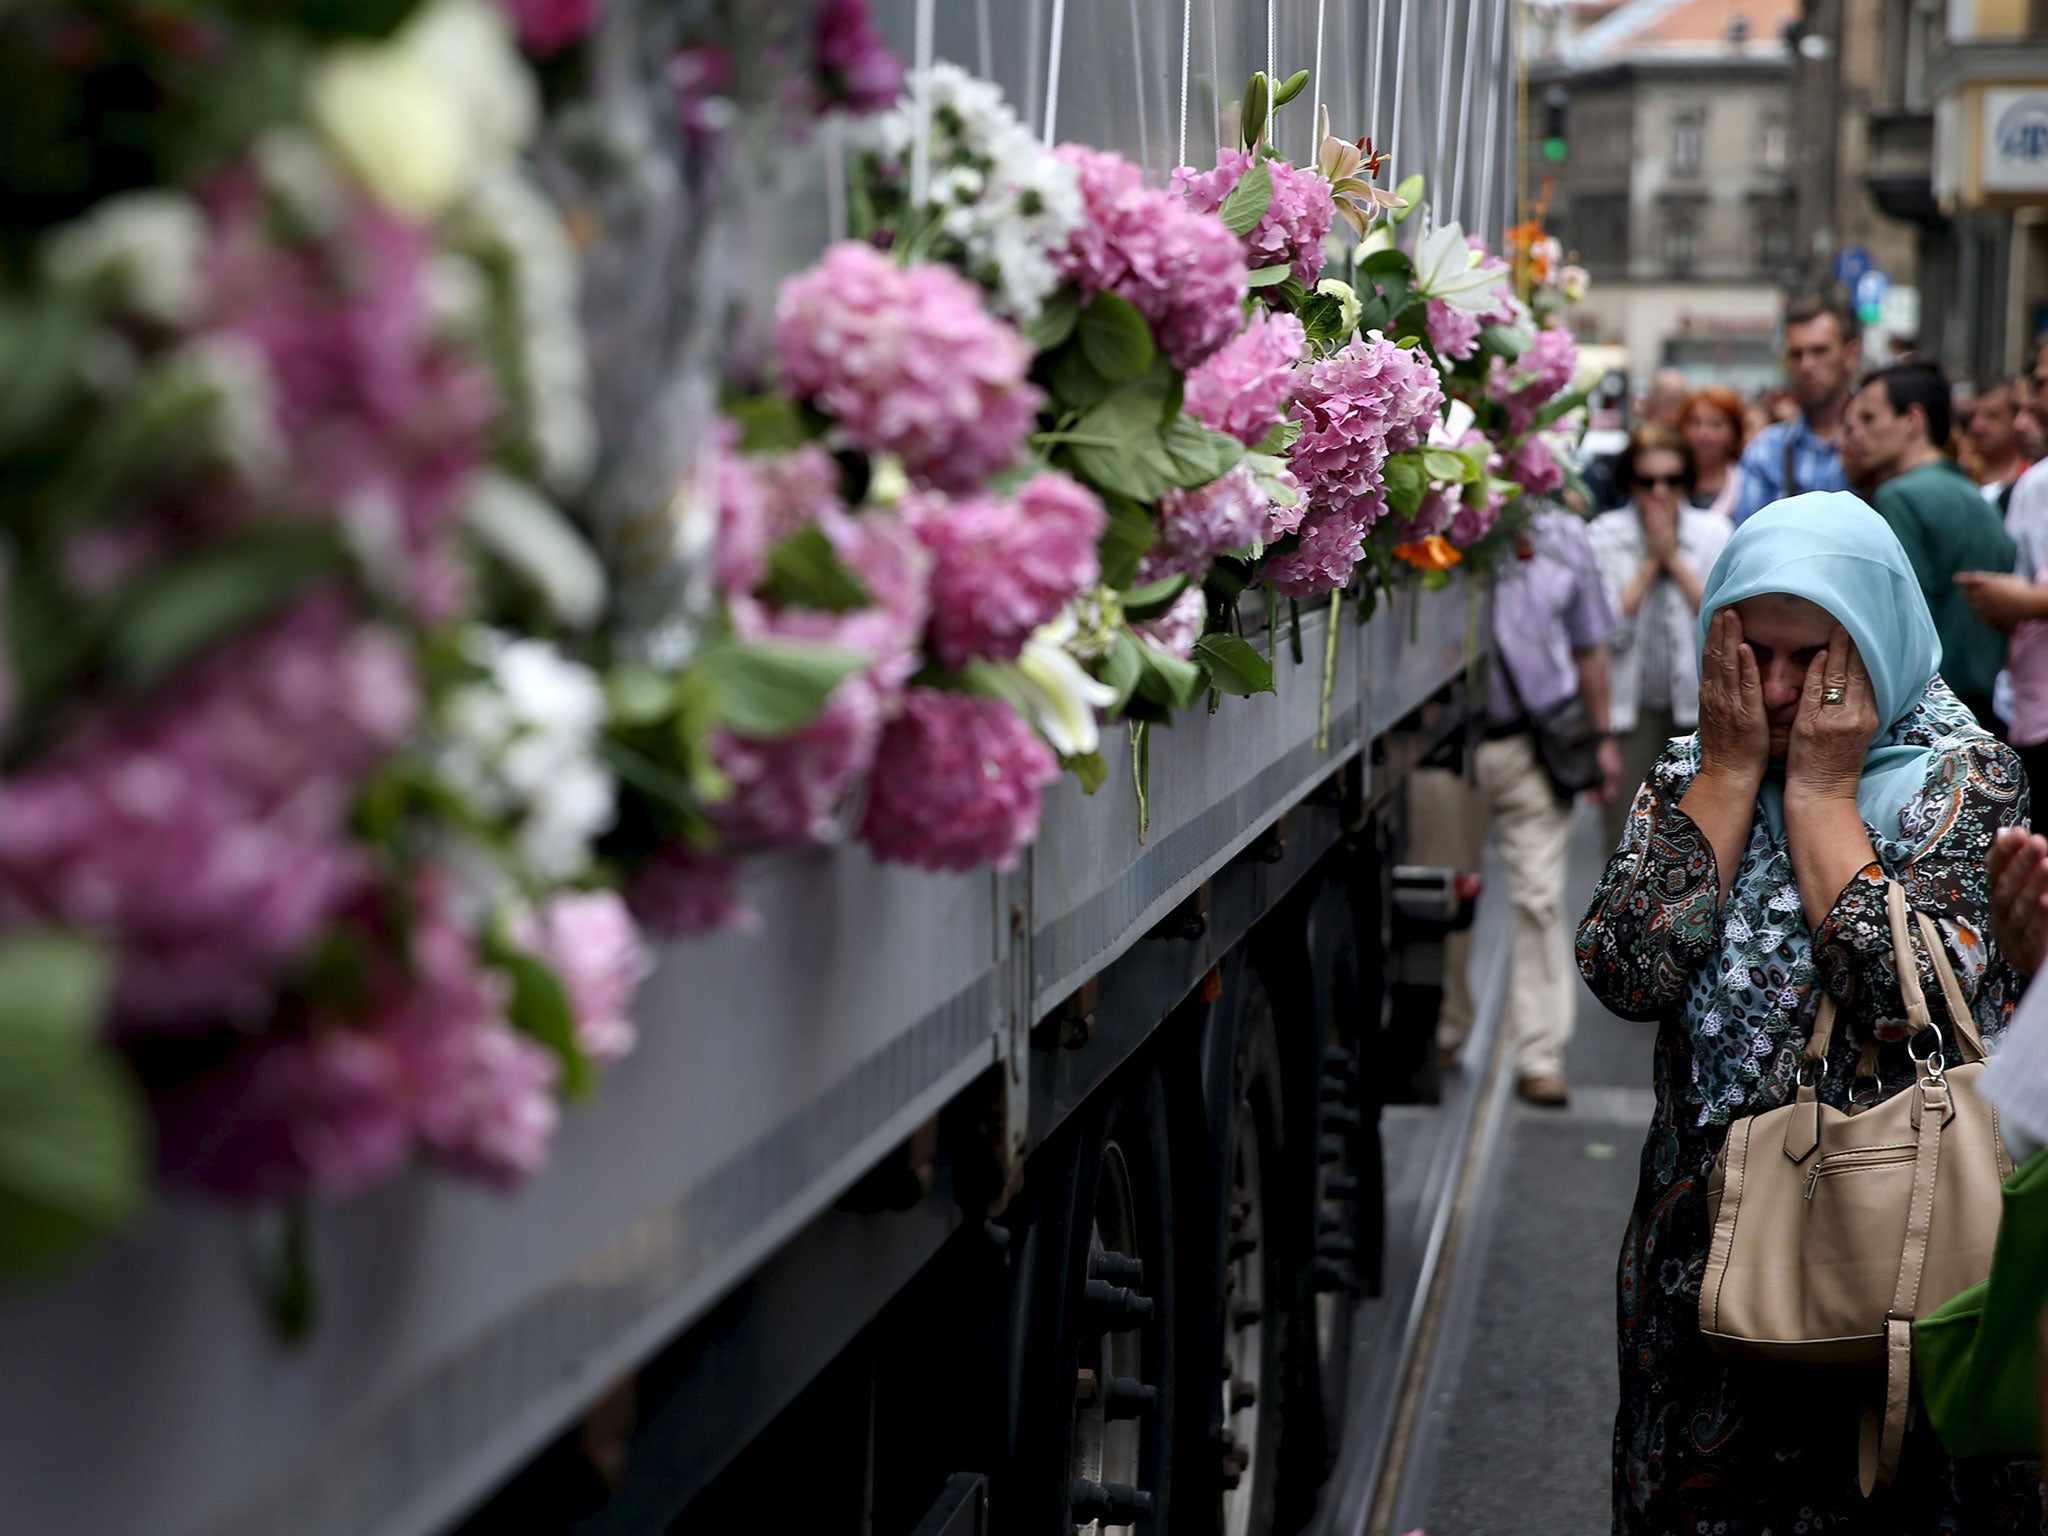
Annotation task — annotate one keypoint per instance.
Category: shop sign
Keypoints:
(2016, 140)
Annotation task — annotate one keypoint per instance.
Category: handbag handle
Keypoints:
(1802, 1130)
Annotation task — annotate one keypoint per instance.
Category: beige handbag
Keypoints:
(1832, 1231)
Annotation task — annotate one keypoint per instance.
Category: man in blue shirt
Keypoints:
(1822, 349)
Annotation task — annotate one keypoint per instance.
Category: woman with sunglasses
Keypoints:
(1654, 555)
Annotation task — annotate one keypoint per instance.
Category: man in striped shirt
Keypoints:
(1822, 349)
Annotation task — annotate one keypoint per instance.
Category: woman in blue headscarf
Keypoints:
(1830, 759)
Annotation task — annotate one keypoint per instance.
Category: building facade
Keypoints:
(1663, 136)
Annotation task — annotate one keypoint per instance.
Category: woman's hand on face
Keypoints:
(1735, 731)
(1831, 739)
(2018, 869)
(1660, 530)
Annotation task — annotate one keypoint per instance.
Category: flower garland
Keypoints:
(327, 800)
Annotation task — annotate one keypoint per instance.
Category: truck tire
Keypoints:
(1094, 1335)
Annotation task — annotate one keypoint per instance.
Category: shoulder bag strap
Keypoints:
(1791, 469)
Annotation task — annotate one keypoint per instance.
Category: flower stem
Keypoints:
(1141, 773)
(1329, 672)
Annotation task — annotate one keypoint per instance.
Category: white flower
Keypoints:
(1572, 282)
(1451, 430)
(1445, 269)
(1062, 697)
(303, 179)
(421, 117)
(244, 399)
(520, 745)
(521, 528)
(145, 246)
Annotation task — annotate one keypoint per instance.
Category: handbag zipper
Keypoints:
(1850, 1162)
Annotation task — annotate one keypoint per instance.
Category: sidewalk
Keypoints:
(1517, 1420)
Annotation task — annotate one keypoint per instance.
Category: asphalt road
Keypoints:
(1515, 1434)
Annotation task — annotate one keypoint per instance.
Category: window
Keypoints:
(1774, 238)
(1599, 232)
(1681, 242)
(1688, 137)
(1774, 144)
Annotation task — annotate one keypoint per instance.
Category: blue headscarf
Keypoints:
(1831, 549)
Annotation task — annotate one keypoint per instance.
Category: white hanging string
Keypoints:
(921, 109)
(1395, 133)
(985, 38)
(1472, 68)
(1379, 69)
(1138, 88)
(1315, 119)
(1272, 61)
(1438, 180)
(1502, 78)
(1215, 78)
(1187, 40)
(1052, 72)
(835, 175)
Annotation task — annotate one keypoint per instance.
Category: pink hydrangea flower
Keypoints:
(1176, 630)
(1181, 268)
(1002, 567)
(681, 892)
(1332, 544)
(854, 68)
(1283, 517)
(1454, 332)
(1245, 387)
(483, 1094)
(957, 785)
(323, 1114)
(1196, 526)
(1473, 522)
(204, 832)
(907, 361)
(546, 27)
(590, 940)
(1356, 407)
(1292, 231)
(1535, 378)
(742, 559)
(1534, 467)
(1438, 512)
(381, 419)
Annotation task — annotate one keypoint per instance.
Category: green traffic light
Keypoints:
(1553, 150)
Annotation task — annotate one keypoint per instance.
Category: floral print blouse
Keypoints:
(1703, 1444)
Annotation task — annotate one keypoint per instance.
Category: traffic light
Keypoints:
(1555, 100)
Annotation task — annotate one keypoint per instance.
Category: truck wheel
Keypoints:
(1261, 1277)
(1094, 1352)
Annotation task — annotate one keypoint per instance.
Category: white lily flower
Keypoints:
(1450, 432)
(1062, 696)
(1444, 270)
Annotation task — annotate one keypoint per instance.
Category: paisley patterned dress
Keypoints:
(1702, 1444)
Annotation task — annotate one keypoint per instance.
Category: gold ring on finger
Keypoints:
(1833, 695)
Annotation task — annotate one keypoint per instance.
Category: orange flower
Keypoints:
(1435, 553)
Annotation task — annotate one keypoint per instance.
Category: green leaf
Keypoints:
(1406, 485)
(1126, 538)
(1560, 407)
(769, 689)
(1055, 322)
(1502, 341)
(1127, 452)
(1075, 383)
(1410, 190)
(42, 341)
(1167, 680)
(1234, 665)
(1442, 464)
(805, 571)
(192, 605)
(1198, 454)
(1266, 277)
(637, 695)
(768, 423)
(1381, 265)
(1290, 291)
(1090, 769)
(540, 1008)
(1283, 437)
(1322, 316)
(1154, 598)
(1248, 201)
(73, 1160)
(1290, 88)
(1115, 339)
(1123, 669)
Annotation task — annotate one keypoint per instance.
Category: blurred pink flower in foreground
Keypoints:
(855, 69)
(594, 947)
(204, 830)
(546, 27)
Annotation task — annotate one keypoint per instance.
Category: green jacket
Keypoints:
(1946, 527)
